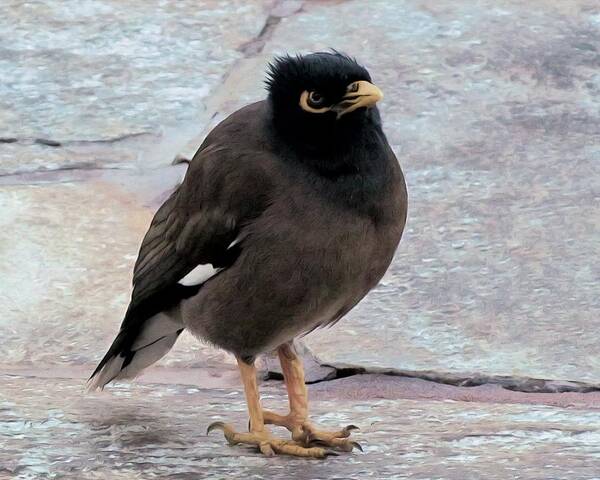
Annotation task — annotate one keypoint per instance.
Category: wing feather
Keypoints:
(227, 185)
(199, 221)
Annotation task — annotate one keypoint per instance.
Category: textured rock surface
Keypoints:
(69, 249)
(493, 111)
(94, 70)
(492, 108)
(49, 429)
(17, 158)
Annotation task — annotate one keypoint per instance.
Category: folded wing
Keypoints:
(194, 236)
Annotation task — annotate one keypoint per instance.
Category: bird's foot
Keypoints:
(268, 444)
(306, 434)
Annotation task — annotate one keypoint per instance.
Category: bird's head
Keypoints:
(321, 100)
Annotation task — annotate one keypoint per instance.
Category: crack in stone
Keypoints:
(517, 384)
(323, 372)
(513, 383)
(47, 142)
(26, 141)
(49, 175)
(120, 138)
(249, 49)
(282, 9)
(256, 45)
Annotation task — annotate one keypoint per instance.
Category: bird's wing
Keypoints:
(197, 233)
(193, 235)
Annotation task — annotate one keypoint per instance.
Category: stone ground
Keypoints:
(487, 313)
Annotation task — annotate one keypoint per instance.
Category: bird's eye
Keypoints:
(315, 99)
(353, 87)
(313, 102)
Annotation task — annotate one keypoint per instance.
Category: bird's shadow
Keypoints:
(131, 430)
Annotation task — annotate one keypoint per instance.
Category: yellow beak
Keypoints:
(360, 94)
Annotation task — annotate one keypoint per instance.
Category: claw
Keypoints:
(215, 425)
(270, 446)
(317, 443)
(347, 430)
(357, 445)
(346, 445)
(226, 429)
(266, 449)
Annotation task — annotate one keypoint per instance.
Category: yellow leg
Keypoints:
(297, 420)
(259, 435)
(248, 373)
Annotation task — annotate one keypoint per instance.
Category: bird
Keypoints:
(288, 215)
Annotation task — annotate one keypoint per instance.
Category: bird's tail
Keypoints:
(137, 346)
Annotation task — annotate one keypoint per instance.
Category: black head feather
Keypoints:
(329, 74)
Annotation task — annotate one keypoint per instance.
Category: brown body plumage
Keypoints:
(307, 259)
(290, 212)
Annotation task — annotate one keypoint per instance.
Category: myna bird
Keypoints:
(289, 213)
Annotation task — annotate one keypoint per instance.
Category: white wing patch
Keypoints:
(203, 272)
(199, 275)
